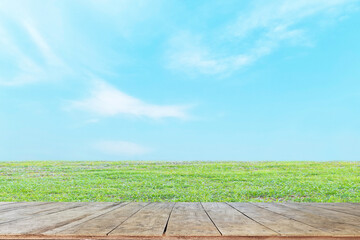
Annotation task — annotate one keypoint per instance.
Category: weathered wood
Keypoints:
(338, 207)
(39, 224)
(34, 210)
(149, 221)
(190, 219)
(78, 224)
(231, 222)
(169, 221)
(354, 204)
(4, 203)
(102, 225)
(330, 214)
(18, 205)
(278, 223)
(319, 222)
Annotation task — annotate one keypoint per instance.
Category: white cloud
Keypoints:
(52, 35)
(188, 52)
(28, 70)
(106, 100)
(42, 45)
(271, 14)
(121, 148)
(265, 27)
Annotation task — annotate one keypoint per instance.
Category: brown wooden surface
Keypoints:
(190, 219)
(149, 221)
(331, 214)
(338, 207)
(136, 220)
(326, 224)
(97, 224)
(278, 223)
(232, 222)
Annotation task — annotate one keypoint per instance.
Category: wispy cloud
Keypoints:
(106, 100)
(42, 44)
(121, 148)
(54, 38)
(265, 27)
(191, 54)
(28, 71)
(270, 15)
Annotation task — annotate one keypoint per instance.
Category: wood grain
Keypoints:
(80, 226)
(316, 221)
(190, 219)
(283, 225)
(104, 224)
(18, 205)
(335, 216)
(338, 207)
(231, 222)
(39, 224)
(149, 221)
(176, 221)
(34, 210)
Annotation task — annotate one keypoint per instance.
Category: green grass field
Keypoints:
(180, 181)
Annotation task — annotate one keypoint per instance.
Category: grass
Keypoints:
(180, 181)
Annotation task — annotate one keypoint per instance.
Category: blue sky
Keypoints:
(180, 80)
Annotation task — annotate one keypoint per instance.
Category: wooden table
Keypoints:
(140, 220)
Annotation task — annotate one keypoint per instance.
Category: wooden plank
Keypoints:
(357, 204)
(5, 203)
(34, 210)
(231, 222)
(149, 221)
(10, 206)
(319, 222)
(122, 220)
(102, 225)
(190, 219)
(330, 214)
(64, 228)
(18, 205)
(279, 223)
(39, 224)
(339, 207)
